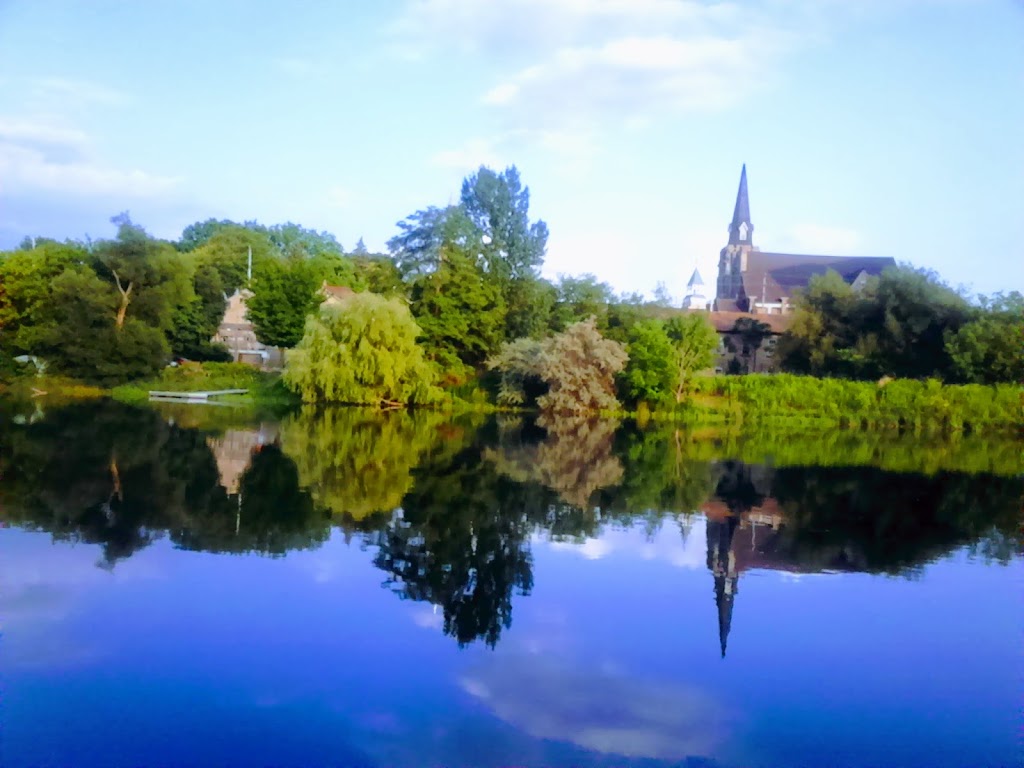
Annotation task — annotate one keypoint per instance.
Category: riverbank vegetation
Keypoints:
(458, 310)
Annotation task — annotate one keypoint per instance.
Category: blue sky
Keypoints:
(869, 127)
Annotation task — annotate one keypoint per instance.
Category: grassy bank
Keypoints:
(805, 403)
(265, 389)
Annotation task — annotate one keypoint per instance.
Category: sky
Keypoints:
(868, 127)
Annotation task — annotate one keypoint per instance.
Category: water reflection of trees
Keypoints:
(359, 463)
(461, 543)
(123, 477)
(450, 510)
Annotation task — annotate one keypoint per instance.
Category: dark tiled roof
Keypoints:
(724, 322)
(779, 274)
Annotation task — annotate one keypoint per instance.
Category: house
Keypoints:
(752, 280)
(238, 334)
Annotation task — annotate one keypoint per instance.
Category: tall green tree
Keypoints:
(285, 293)
(498, 205)
(461, 313)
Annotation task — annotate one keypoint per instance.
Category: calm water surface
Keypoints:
(338, 588)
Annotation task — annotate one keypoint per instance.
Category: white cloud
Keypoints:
(582, 61)
(39, 156)
(665, 545)
(597, 707)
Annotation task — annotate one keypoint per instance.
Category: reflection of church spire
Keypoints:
(722, 564)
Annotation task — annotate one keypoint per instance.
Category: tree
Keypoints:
(363, 353)
(197, 321)
(293, 240)
(694, 341)
(285, 293)
(579, 298)
(651, 374)
(896, 325)
(82, 339)
(579, 366)
(662, 296)
(146, 273)
(519, 366)
(227, 251)
(419, 248)
(498, 205)
(26, 290)
(529, 302)
(461, 313)
(990, 348)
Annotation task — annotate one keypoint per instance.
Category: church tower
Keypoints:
(695, 298)
(732, 261)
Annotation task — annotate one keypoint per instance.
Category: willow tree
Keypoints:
(362, 353)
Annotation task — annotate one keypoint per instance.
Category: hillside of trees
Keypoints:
(458, 301)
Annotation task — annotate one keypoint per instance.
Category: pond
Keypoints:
(191, 587)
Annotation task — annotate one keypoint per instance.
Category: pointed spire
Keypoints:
(695, 279)
(741, 230)
(722, 566)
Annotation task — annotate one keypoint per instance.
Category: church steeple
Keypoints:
(741, 230)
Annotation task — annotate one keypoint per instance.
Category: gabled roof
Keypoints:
(778, 274)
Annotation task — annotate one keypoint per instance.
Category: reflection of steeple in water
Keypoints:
(722, 564)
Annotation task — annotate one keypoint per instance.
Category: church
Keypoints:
(760, 282)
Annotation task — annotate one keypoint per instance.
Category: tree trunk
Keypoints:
(126, 293)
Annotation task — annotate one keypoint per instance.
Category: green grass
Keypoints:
(264, 388)
(796, 403)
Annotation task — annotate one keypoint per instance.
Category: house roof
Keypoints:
(724, 322)
(337, 292)
(778, 274)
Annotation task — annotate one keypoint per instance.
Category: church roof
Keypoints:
(779, 274)
(695, 279)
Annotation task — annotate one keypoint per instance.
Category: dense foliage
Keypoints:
(363, 353)
(118, 310)
(906, 323)
(573, 371)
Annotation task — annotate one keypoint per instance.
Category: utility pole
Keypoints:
(248, 271)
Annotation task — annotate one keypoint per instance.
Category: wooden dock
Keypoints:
(194, 397)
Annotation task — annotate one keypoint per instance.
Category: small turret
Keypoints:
(695, 298)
